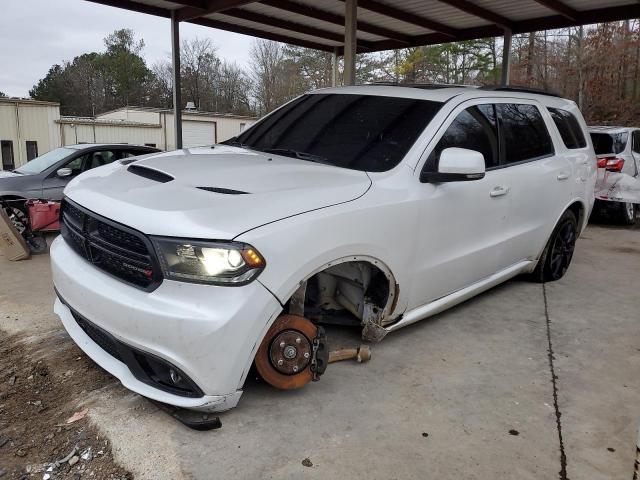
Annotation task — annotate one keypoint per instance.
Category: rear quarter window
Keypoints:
(569, 128)
(609, 143)
(524, 133)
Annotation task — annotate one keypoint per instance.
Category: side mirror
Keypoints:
(64, 172)
(456, 165)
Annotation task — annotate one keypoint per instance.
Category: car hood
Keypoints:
(276, 187)
(14, 182)
(5, 174)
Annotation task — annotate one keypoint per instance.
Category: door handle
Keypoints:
(562, 176)
(499, 191)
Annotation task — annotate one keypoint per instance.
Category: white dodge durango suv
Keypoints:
(374, 206)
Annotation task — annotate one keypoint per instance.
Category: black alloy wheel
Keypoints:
(556, 257)
(562, 250)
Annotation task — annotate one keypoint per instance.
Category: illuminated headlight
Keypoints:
(218, 263)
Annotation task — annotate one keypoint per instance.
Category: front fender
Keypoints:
(299, 247)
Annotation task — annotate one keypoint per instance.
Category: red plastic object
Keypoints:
(44, 216)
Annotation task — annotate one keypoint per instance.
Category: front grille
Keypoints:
(115, 249)
(104, 340)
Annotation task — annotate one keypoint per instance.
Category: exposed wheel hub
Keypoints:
(290, 352)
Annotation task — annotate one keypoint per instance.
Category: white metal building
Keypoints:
(29, 128)
(153, 126)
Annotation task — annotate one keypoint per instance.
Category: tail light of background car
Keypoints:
(612, 164)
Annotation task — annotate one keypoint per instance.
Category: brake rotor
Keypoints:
(284, 357)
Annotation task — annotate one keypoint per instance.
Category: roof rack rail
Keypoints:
(425, 86)
(515, 88)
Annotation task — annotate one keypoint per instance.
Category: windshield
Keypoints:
(361, 132)
(604, 143)
(41, 163)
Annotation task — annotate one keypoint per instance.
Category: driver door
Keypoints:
(53, 185)
(460, 233)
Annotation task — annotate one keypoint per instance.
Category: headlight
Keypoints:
(217, 263)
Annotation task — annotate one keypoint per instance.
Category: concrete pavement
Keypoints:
(466, 394)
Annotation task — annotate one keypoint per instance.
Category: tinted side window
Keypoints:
(569, 128)
(76, 165)
(474, 129)
(636, 141)
(90, 160)
(608, 143)
(97, 159)
(524, 133)
(132, 153)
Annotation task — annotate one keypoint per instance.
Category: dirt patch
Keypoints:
(42, 384)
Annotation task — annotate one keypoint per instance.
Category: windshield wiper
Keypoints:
(289, 152)
(235, 143)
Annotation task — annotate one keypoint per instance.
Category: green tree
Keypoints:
(466, 62)
(125, 72)
(2, 94)
(50, 87)
(94, 82)
(77, 85)
(313, 66)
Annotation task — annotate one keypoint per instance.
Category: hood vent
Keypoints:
(150, 173)
(224, 191)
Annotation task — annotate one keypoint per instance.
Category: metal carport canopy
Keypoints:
(384, 24)
(350, 26)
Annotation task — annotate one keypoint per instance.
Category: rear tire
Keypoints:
(557, 254)
(627, 213)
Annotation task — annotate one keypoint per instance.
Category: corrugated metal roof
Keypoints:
(27, 101)
(384, 24)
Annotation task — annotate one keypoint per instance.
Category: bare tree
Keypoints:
(199, 69)
(275, 77)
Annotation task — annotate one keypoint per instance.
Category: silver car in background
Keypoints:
(618, 183)
(46, 176)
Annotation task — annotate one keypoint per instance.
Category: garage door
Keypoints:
(195, 134)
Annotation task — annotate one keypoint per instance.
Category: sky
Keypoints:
(36, 34)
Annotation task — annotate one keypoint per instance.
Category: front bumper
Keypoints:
(210, 333)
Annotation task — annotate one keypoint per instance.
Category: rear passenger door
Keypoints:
(540, 177)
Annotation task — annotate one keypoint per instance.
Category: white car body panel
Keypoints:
(186, 324)
(279, 187)
(439, 243)
(617, 187)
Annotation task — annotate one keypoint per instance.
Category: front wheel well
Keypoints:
(12, 197)
(353, 291)
(15, 201)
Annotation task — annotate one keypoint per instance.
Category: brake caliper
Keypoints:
(319, 354)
